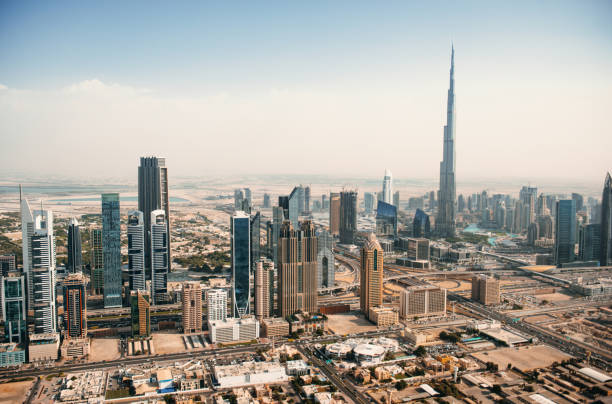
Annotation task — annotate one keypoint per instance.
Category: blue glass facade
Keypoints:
(111, 249)
(565, 231)
(386, 219)
(420, 224)
(241, 262)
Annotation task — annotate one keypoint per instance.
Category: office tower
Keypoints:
(75, 259)
(159, 257)
(75, 306)
(371, 276)
(111, 249)
(324, 202)
(565, 231)
(140, 303)
(153, 195)
(533, 233)
(460, 203)
(348, 216)
(432, 200)
(589, 245)
(97, 262)
(136, 250)
(255, 237)
(13, 295)
(509, 218)
(264, 289)
(307, 199)
(420, 224)
(7, 264)
(266, 201)
(294, 211)
(500, 214)
(545, 226)
(248, 196)
(418, 249)
(605, 256)
(277, 220)
(579, 200)
(445, 222)
(485, 290)
(241, 263)
(238, 198)
(396, 199)
(369, 201)
(297, 271)
(428, 300)
(216, 303)
(387, 187)
(386, 220)
(334, 213)
(325, 260)
(192, 307)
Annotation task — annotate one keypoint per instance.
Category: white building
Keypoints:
(136, 250)
(216, 301)
(159, 256)
(417, 301)
(387, 188)
(248, 373)
(233, 329)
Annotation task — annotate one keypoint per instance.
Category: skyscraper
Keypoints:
(97, 262)
(153, 195)
(240, 232)
(348, 216)
(296, 198)
(264, 289)
(386, 219)
(75, 258)
(297, 272)
(306, 199)
(387, 187)
(192, 307)
(255, 237)
(371, 277)
(565, 231)
(396, 199)
(277, 220)
(590, 242)
(325, 260)
(75, 306)
(445, 222)
(266, 201)
(159, 257)
(13, 297)
(136, 250)
(140, 303)
(606, 223)
(334, 214)
(369, 201)
(111, 249)
(216, 303)
(421, 226)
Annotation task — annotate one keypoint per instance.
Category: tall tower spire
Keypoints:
(445, 223)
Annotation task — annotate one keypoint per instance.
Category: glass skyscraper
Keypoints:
(13, 297)
(159, 257)
(240, 230)
(75, 258)
(136, 247)
(565, 231)
(111, 249)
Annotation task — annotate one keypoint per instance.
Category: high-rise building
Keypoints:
(348, 216)
(277, 220)
(545, 226)
(325, 260)
(369, 201)
(153, 195)
(387, 187)
(216, 304)
(460, 203)
(565, 231)
(306, 199)
(386, 220)
(589, 242)
(296, 198)
(159, 257)
(75, 258)
(421, 226)
(334, 214)
(396, 199)
(371, 276)
(7, 264)
(140, 303)
(240, 232)
(445, 222)
(266, 201)
(418, 249)
(136, 250)
(297, 271)
(605, 256)
(13, 295)
(238, 198)
(75, 306)
(324, 202)
(533, 233)
(579, 200)
(255, 237)
(485, 290)
(111, 249)
(417, 301)
(192, 307)
(97, 262)
(264, 289)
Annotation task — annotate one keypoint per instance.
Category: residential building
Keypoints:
(136, 250)
(387, 187)
(348, 217)
(111, 249)
(75, 257)
(240, 233)
(140, 303)
(192, 307)
(96, 281)
(159, 257)
(326, 262)
(371, 276)
(396, 199)
(264, 289)
(334, 213)
(216, 304)
(75, 306)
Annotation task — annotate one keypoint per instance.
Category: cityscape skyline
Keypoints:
(386, 85)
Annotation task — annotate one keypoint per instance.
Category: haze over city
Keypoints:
(333, 89)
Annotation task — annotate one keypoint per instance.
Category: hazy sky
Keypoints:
(345, 88)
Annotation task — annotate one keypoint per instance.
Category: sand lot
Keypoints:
(104, 349)
(524, 358)
(348, 323)
(454, 285)
(540, 318)
(554, 297)
(14, 392)
(168, 343)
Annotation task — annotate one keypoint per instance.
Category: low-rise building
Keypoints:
(247, 373)
(308, 323)
(417, 301)
(274, 327)
(383, 316)
(233, 330)
(297, 368)
(11, 355)
(43, 347)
